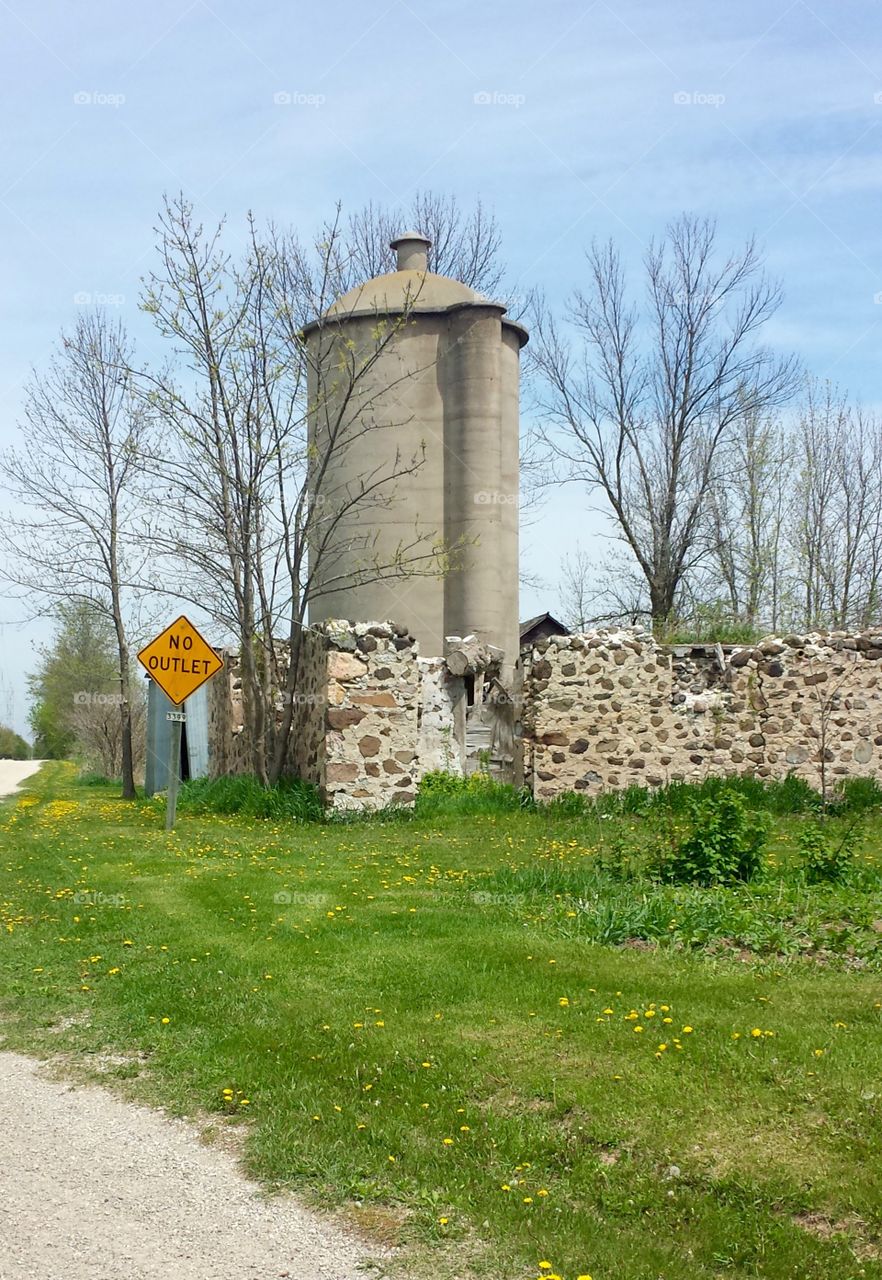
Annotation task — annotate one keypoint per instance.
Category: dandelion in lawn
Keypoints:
(687, 1031)
(563, 1002)
(448, 1142)
(444, 1221)
(756, 1033)
(166, 1021)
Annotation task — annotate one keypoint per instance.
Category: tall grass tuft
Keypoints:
(289, 800)
(445, 793)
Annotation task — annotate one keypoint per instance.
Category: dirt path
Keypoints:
(14, 772)
(95, 1188)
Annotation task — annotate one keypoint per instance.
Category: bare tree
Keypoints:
(85, 436)
(607, 591)
(465, 245)
(837, 511)
(641, 408)
(252, 503)
(100, 734)
(746, 515)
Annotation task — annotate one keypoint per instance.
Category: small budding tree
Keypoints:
(250, 505)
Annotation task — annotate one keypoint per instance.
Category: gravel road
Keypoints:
(14, 772)
(96, 1188)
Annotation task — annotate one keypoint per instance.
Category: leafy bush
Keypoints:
(446, 793)
(290, 799)
(827, 852)
(13, 745)
(722, 843)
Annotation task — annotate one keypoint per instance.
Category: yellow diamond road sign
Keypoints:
(180, 660)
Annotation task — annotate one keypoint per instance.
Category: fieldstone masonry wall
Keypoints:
(610, 708)
(600, 711)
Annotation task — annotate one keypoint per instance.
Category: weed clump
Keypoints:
(445, 793)
(289, 800)
(722, 843)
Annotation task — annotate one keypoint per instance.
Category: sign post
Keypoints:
(177, 721)
(180, 660)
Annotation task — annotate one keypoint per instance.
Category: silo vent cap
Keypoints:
(413, 251)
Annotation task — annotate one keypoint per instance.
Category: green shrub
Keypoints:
(289, 800)
(827, 852)
(722, 843)
(446, 793)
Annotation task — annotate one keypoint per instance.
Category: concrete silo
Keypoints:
(429, 371)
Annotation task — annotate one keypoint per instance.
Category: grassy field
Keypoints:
(469, 1032)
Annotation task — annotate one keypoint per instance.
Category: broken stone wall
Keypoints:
(610, 708)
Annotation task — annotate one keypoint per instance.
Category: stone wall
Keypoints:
(370, 716)
(600, 711)
(610, 708)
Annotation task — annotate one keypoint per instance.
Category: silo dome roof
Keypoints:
(412, 288)
(406, 290)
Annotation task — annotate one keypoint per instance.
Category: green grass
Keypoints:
(436, 1018)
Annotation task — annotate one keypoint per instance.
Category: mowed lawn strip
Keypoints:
(400, 1032)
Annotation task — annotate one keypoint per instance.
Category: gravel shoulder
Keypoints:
(14, 772)
(95, 1188)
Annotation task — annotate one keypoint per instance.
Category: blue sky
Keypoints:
(603, 119)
